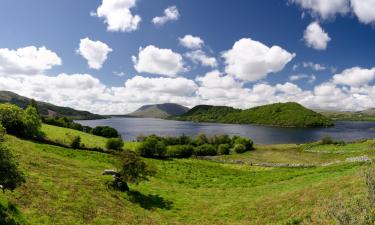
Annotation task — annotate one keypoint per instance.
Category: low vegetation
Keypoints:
(279, 114)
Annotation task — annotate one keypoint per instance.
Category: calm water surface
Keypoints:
(130, 128)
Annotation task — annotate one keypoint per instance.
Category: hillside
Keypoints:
(46, 108)
(65, 186)
(206, 113)
(365, 115)
(279, 114)
(159, 110)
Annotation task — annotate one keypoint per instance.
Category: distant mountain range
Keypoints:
(46, 109)
(364, 115)
(159, 111)
(289, 114)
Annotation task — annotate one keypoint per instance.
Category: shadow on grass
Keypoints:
(149, 201)
(6, 217)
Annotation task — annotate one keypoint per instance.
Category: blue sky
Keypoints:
(335, 59)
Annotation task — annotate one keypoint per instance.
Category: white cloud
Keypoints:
(355, 76)
(191, 42)
(200, 57)
(158, 61)
(117, 15)
(215, 79)
(315, 37)
(364, 10)
(170, 14)
(28, 60)
(296, 77)
(324, 9)
(314, 66)
(95, 52)
(251, 60)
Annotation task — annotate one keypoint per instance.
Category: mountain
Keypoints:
(159, 110)
(365, 115)
(279, 114)
(46, 109)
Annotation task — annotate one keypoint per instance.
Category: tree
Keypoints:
(34, 104)
(10, 177)
(2, 132)
(11, 118)
(114, 144)
(133, 170)
(105, 131)
(201, 139)
(32, 122)
(152, 146)
(76, 142)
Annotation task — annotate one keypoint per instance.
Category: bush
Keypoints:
(239, 148)
(32, 122)
(205, 150)
(133, 170)
(11, 117)
(248, 143)
(76, 142)
(180, 151)
(10, 177)
(152, 146)
(326, 140)
(200, 139)
(224, 149)
(220, 139)
(2, 132)
(105, 131)
(114, 144)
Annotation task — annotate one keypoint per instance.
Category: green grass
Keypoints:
(65, 135)
(65, 186)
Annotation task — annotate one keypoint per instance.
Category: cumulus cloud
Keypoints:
(364, 10)
(95, 52)
(324, 9)
(315, 37)
(251, 60)
(117, 15)
(200, 57)
(191, 42)
(28, 60)
(355, 76)
(170, 14)
(159, 61)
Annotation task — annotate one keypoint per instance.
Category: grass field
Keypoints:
(65, 186)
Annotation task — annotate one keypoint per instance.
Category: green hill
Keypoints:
(46, 108)
(365, 115)
(279, 114)
(159, 110)
(66, 186)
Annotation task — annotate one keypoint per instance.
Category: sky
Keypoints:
(113, 56)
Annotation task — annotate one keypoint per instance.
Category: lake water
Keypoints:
(130, 128)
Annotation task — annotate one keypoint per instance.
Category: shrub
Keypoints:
(248, 143)
(76, 142)
(2, 132)
(220, 139)
(200, 139)
(180, 151)
(10, 177)
(224, 149)
(152, 146)
(11, 118)
(32, 122)
(239, 148)
(133, 170)
(326, 140)
(205, 150)
(105, 131)
(114, 144)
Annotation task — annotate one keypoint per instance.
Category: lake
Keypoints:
(130, 128)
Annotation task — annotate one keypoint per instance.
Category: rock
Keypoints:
(110, 172)
(359, 159)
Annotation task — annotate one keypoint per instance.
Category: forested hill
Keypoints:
(279, 114)
(46, 108)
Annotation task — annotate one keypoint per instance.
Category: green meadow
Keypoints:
(66, 186)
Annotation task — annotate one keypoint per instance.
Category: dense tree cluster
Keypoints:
(183, 146)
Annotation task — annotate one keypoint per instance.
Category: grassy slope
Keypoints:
(279, 114)
(65, 186)
(65, 136)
